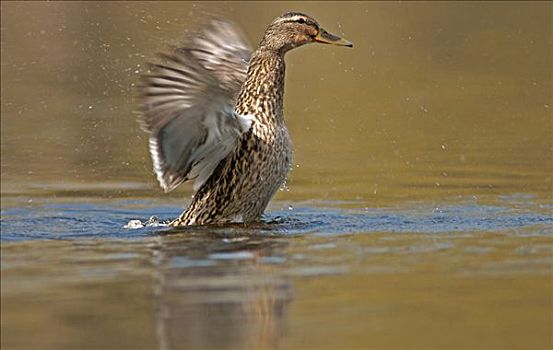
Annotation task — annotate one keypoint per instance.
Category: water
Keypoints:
(72, 270)
(78, 221)
(418, 212)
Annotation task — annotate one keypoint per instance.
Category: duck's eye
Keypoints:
(301, 21)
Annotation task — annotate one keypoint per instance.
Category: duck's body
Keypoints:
(244, 155)
(243, 184)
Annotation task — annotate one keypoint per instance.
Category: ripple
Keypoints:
(75, 221)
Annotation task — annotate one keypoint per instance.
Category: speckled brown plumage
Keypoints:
(255, 155)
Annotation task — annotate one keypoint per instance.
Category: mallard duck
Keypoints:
(214, 114)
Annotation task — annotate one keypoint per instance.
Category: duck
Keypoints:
(213, 110)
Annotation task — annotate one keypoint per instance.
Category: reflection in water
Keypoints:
(240, 304)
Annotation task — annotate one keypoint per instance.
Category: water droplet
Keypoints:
(134, 224)
(153, 221)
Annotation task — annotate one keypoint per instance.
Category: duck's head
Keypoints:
(294, 29)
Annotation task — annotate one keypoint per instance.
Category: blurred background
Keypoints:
(436, 100)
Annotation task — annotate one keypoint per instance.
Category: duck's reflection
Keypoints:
(220, 289)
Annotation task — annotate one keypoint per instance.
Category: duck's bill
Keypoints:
(328, 38)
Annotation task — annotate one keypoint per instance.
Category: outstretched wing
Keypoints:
(187, 104)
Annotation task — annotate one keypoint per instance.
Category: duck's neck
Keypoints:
(263, 91)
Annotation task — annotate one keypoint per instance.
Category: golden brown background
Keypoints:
(435, 99)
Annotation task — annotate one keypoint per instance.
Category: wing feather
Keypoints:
(187, 104)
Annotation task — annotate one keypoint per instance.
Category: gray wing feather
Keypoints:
(188, 102)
